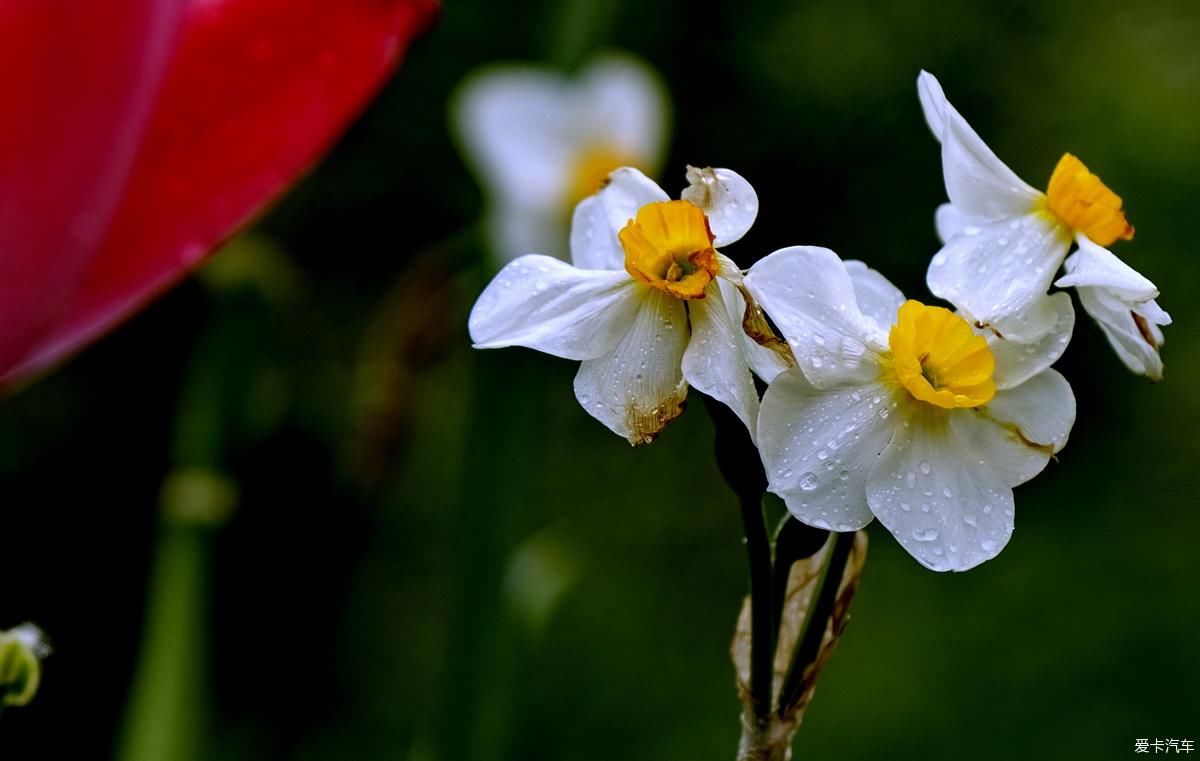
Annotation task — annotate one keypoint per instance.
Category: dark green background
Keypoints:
(354, 606)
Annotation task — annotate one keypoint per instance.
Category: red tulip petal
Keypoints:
(78, 81)
(257, 91)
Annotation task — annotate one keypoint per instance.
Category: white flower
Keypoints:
(540, 142)
(1005, 241)
(901, 411)
(649, 305)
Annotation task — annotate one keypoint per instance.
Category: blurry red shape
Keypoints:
(141, 134)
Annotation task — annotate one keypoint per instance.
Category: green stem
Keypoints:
(816, 621)
(165, 716)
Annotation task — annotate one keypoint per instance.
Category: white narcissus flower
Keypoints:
(1005, 242)
(540, 142)
(901, 411)
(649, 305)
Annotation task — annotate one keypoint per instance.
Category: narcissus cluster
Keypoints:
(924, 416)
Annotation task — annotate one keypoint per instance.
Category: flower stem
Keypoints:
(762, 617)
(742, 469)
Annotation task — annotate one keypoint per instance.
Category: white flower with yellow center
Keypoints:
(649, 306)
(901, 411)
(1005, 242)
(541, 142)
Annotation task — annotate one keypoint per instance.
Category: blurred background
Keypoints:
(436, 555)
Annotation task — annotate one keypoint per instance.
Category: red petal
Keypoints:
(78, 81)
(257, 91)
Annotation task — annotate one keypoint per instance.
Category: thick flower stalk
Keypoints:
(901, 411)
(144, 133)
(649, 305)
(540, 142)
(1005, 242)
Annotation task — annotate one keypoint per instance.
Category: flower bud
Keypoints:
(22, 649)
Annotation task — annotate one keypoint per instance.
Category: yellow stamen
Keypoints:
(669, 246)
(591, 171)
(939, 359)
(1084, 203)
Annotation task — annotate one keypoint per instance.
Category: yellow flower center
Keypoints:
(1084, 203)
(939, 359)
(669, 246)
(591, 171)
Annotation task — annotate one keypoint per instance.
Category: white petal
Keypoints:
(598, 219)
(1136, 345)
(516, 230)
(727, 199)
(1096, 266)
(715, 362)
(1017, 361)
(546, 304)
(623, 107)
(819, 445)
(1118, 298)
(935, 492)
(515, 125)
(638, 388)
(1042, 409)
(764, 362)
(809, 295)
(997, 273)
(978, 183)
(949, 221)
(877, 297)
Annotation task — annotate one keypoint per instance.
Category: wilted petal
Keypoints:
(764, 362)
(639, 387)
(1133, 332)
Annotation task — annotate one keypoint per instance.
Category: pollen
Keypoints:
(591, 169)
(1084, 203)
(669, 246)
(938, 358)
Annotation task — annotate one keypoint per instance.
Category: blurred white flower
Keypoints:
(649, 306)
(541, 142)
(902, 411)
(1005, 242)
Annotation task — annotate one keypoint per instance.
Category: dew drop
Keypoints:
(808, 481)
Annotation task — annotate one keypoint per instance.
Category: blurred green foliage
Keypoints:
(364, 601)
